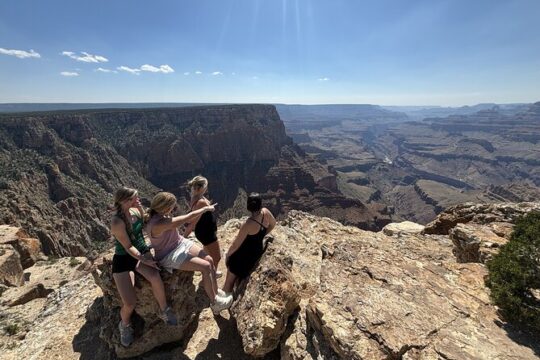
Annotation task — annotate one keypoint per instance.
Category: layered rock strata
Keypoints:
(60, 169)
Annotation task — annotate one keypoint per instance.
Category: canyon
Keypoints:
(60, 169)
(420, 166)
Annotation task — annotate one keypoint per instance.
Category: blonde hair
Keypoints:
(162, 202)
(198, 182)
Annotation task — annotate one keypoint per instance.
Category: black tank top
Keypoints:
(244, 259)
(206, 226)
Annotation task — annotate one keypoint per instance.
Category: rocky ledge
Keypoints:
(321, 291)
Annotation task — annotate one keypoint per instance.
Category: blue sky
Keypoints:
(408, 52)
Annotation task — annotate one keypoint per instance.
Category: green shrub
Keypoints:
(73, 262)
(11, 329)
(514, 274)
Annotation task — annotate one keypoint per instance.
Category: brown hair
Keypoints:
(121, 195)
(162, 202)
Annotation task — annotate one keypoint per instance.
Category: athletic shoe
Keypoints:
(168, 316)
(221, 303)
(219, 274)
(126, 334)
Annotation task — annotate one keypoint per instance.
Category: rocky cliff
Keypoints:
(419, 168)
(59, 169)
(321, 291)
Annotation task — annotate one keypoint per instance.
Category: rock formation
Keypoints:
(478, 213)
(419, 168)
(61, 168)
(150, 331)
(321, 290)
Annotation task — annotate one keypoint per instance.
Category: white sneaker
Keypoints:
(221, 303)
(219, 274)
(223, 293)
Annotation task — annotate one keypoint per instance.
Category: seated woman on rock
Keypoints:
(205, 225)
(132, 254)
(174, 252)
(248, 247)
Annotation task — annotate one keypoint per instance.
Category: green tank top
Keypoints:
(137, 238)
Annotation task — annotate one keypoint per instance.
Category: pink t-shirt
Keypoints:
(164, 243)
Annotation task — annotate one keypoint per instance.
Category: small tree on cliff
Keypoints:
(514, 274)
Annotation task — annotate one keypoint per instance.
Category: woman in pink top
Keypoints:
(172, 251)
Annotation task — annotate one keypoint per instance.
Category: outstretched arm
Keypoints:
(176, 221)
(192, 223)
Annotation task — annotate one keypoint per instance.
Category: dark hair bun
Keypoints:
(254, 202)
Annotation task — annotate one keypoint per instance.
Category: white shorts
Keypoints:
(178, 256)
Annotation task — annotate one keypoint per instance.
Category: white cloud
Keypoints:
(88, 58)
(21, 54)
(186, 73)
(323, 79)
(129, 70)
(106, 70)
(165, 69)
(217, 73)
(69, 73)
(198, 72)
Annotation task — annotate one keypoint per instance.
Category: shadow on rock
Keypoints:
(522, 337)
(87, 342)
(229, 344)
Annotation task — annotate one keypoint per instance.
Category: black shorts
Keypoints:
(123, 263)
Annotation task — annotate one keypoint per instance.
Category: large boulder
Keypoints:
(475, 243)
(480, 214)
(265, 301)
(402, 228)
(11, 271)
(29, 249)
(391, 297)
(150, 330)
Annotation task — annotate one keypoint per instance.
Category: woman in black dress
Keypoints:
(205, 225)
(248, 246)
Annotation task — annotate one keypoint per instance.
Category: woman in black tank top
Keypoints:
(205, 226)
(248, 247)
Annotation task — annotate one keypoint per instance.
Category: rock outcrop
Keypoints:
(150, 331)
(475, 243)
(402, 228)
(11, 271)
(321, 290)
(478, 213)
(29, 249)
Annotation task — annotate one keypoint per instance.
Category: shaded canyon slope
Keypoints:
(419, 168)
(60, 169)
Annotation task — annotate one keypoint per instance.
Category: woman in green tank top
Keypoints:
(132, 254)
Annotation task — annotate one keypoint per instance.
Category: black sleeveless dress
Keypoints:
(243, 260)
(206, 227)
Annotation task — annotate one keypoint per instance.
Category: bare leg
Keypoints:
(206, 268)
(214, 251)
(154, 278)
(229, 282)
(124, 283)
